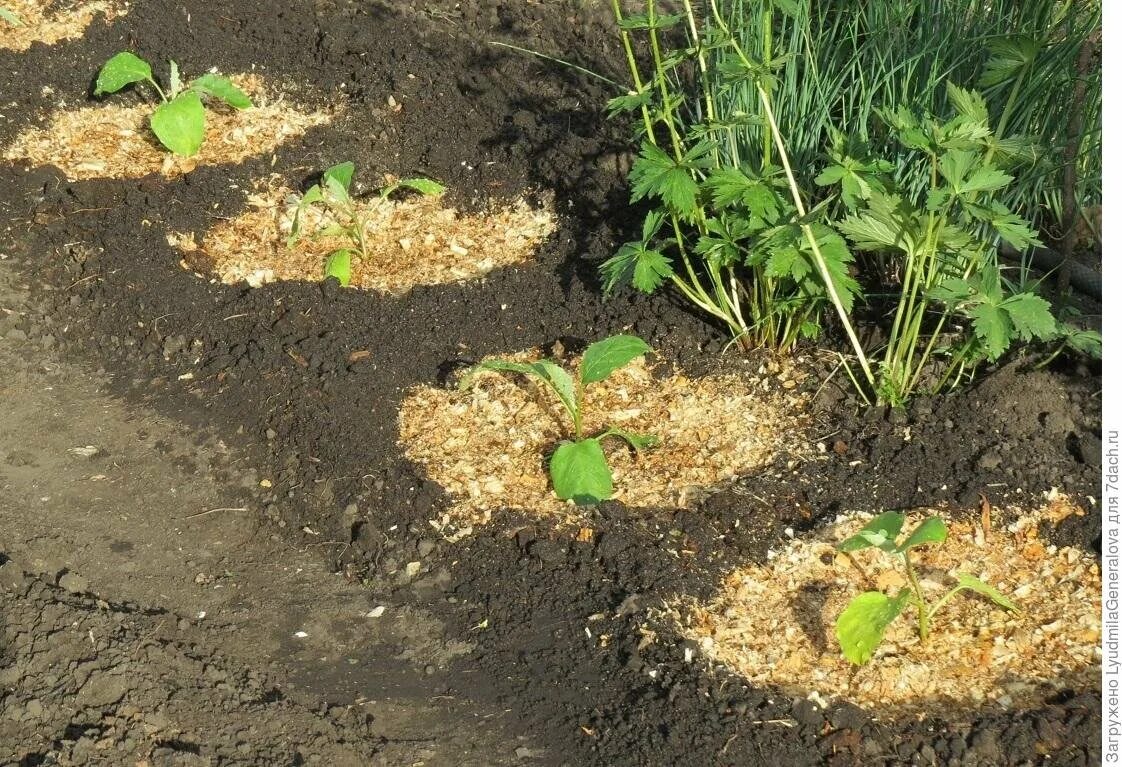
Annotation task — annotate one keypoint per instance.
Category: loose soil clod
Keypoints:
(488, 447)
(414, 241)
(774, 623)
(44, 23)
(113, 141)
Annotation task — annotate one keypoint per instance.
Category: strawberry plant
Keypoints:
(344, 216)
(860, 627)
(578, 467)
(179, 122)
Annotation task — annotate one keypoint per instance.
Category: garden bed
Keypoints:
(341, 401)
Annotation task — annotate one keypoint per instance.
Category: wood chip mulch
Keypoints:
(487, 446)
(112, 139)
(416, 240)
(42, 23)
(774, 624)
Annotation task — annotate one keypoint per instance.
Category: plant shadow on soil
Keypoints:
(272, 374)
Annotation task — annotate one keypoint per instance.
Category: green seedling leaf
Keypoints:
(222, 88)
(180, 124)
(498, 366)
(879, 532)
(978, 586)
(580, 472)
(425, 186)
(338, 265)
(930, 530)
(548, 372)
(603, 358)
(340, 175)
(636, 441)
(174, 83)
(10, 17)
(123, 69)
(861, 626)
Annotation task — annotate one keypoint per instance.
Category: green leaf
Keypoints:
(787, 262)
(580, 472)
(425, 186)
(1086, 342)
(970, 104)
(338, 265)
(645, 21)
(643, 268)
(123, 69)
(1031, 316)
(967, 581)
(993, 328)
(731, 186)
(861, 626)
(222, 88)
(603, 358)
(985, 179)
(636, 441)
(180, 124)
(930, 530)
(341, 175)
(629, 102)
(656, 175)
(174, 83)
(10, 17)
(880, 531)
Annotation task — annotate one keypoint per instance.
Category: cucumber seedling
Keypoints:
(344, 216)
(179, 121)
(10, 17)
(578, 468)
(861, 626)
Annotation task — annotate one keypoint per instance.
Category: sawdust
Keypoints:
(774, 623)
(416, 240)
(487, 446)
(40, 25)
(112, 140)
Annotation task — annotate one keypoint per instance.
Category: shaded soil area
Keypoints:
(302, 384)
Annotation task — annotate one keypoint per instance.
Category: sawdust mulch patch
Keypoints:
(417, 240)
(42, 22)
(487, 446)
(774, 623)
(113, 140)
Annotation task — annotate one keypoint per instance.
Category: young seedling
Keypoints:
(10, 17)
(578, 468)
(861, 626)
(345, 218)
(179, 122)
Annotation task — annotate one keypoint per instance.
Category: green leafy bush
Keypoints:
(578, 468)
(179, 122)
(732, 235)
(860, 627)
(345, 217)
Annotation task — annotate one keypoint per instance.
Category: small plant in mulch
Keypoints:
(179, 122)
(345, 217)
(578, 467)
(861, 626)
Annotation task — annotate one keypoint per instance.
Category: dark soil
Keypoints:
(273, 380)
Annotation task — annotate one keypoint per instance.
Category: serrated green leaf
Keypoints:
(123, 69)
(656, 175)
(879, 532)
(643, 268)
(1086, 342)
(338, 265)
(605, 357)
(180, 124)
(969, 582)
(645, 21)
(580, 472)
(993, 328)
(629, 102)
(968, 103)
(985, 179)
(861, 626)
(222, 88)
(930, 530)
(1031, 316)
(787, 262)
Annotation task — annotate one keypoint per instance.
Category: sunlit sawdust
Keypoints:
(112, 140)
(774, 623)
(487, 446)
(42, 25)
(416, 240)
